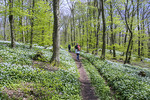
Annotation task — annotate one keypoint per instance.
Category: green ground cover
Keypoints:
(123, 79)
(19, 79)
(101, 89)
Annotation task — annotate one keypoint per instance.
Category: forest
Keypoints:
(35, 63)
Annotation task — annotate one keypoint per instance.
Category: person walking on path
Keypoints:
(77, 51)
(69, 48)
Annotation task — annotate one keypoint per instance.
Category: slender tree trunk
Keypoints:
(87, 43)
(43, 38)
(5, 22)
(80, 31)
(11, 20)
(27, 32)
(128, 52)
(149, 40)
(56, 34)
(138, 26)
(69, 37)
(95, 25)
(32, 24)
(74, 26)
(112, 33)
(119, 38)
(107, 37)
(143, 34)
(104, 29)
(23, 36)
(91, 28)
(125, 40)
(66, 34)
(20, 20)
(83, 31)
(142, 42)
(71, 33)
(87, 28)
(98, 29)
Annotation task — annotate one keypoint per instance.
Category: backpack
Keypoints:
(79, 48)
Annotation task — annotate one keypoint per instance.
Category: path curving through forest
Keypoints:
(87, 91)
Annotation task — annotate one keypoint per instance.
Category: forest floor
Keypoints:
(87, 91)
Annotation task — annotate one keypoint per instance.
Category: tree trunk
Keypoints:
(104, 29)
(149, 40)
(20, 20)
(27, 32)
(142, 42)
(5, 22)
(87, 43)
(11, 20)
(56, 34)
(139, 42)
(43, 37)
(66, 34)
(23, 37)
(112, 33)
(87, 28)
(125, 40)
(98, 29)
(32, 25)
(91, 28)
(143, 34)
(74, 26)
(71, 33)
(82, 31)
(119, 38)
(129, 48)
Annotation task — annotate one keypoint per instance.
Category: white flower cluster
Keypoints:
(69, 63)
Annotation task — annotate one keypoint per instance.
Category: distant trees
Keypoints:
(126, 27)
(100, 26)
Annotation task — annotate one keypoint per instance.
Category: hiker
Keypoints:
(69, 48)
(77, 51)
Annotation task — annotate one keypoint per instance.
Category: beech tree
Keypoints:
(56, 35)
(32, 24)
(5, 16)
(11, 20)
(104, 29)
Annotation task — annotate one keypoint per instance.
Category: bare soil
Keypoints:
(87, 91)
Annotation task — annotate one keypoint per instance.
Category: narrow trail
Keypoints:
(87, 91)
(106, 82)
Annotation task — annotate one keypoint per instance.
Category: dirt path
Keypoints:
(87, 91)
